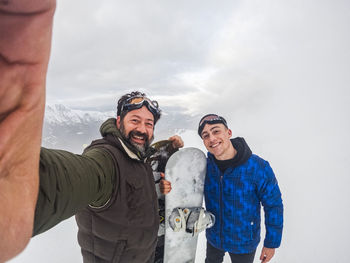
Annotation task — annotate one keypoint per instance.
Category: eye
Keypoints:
(149, 124)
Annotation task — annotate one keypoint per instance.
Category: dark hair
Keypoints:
(123, 99)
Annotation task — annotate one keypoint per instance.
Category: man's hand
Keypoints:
(177, 141)
(25, 42)
(164, 185)
(266, 254)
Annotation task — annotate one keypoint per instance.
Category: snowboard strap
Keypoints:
(198, 225)
(179, 220)
(192, 220)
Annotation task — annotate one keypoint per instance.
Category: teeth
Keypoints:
(214, 145)
(138, 137)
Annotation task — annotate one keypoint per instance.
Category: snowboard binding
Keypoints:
(193, 220)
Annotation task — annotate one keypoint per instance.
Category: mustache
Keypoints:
(139, 134)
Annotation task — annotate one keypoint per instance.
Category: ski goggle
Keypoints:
(210, 119)
(134, 103)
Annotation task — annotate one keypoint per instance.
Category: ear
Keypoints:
(118, 122)
(229, 132)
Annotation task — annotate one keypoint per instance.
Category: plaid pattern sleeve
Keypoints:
(270, 197)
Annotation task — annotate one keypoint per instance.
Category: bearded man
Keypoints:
(109, 187)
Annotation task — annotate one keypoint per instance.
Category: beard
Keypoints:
(142, 148)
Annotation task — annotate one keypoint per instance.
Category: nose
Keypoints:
(211, 137)
(141, 127)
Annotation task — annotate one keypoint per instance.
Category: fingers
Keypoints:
(22, 23)
(164, 186)
(25, 30)
(266, 254)
(263, 257)
(177, 141)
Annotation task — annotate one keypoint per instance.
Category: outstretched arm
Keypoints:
(25, 30)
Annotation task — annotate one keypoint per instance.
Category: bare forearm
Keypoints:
(25, 30)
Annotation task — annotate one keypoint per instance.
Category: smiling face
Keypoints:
(216, 138)
(137, 128)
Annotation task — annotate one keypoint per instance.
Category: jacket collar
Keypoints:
(243, 153)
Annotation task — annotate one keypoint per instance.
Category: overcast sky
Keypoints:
(277, 70)
(266, 63)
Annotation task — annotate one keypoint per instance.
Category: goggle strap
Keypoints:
(211, 118)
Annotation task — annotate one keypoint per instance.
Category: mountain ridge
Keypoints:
(73, 129)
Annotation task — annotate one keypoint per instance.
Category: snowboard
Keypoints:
(162, 151)
(186, 171)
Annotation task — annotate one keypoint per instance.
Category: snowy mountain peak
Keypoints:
(62, 115)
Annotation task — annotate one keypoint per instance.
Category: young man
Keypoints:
(236, 184)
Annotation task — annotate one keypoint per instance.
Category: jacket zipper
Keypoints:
(221, 211)
(251, 230)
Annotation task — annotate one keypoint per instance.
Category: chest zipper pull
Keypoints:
(251, 230)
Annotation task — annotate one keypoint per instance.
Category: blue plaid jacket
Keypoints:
(235, 197)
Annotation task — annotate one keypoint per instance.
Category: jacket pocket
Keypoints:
(141, 204)
(245, 235)
(134, 192)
